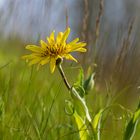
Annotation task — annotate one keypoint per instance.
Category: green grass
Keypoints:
(32, 103)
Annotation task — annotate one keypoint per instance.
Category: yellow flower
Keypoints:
(53, 49)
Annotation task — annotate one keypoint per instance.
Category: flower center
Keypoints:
(55, 49)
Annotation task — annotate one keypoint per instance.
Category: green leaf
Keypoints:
(80, 90)
(2, 109)
(80, 79)
(96, 123)
(89, 83)
(82, 128)
(131, 126)
(83, 131)
(69, 109)
(80, 104)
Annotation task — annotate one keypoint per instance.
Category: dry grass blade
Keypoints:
(85, 20)
(98, 19)
(125, 45)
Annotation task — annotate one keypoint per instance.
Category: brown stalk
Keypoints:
(125, 46)
(85, 20)
(98, 20)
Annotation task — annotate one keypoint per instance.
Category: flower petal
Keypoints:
(76, 46)
(59, 37)
(52, 35)
(34, 48)
(80, 50)
(80, 44)
(52, 64)
(43, 44)
(51, 38)
(74, 41)
(35, 61)
(45, 61)
(70, 57)
(31, 56)
(65, 36)
(38, 66)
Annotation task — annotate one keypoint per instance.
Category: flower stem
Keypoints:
(64, 77)
(76, 97)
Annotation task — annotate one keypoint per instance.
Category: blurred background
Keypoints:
(111, 29)
(30, 19)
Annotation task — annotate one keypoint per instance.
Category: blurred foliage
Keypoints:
(32, 102)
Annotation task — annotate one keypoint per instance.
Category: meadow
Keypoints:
(32, 103)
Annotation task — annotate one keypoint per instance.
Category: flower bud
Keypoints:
(59, 61)
(89, 83)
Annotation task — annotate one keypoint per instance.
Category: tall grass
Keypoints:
(32, 103)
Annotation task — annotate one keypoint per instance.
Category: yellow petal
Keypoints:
(59, 37)
(45, 61)
(35, 61)
(31, 56)
(80, 44)
(27, 57)
(74, 41)
(34, 48)
(38, 66)
(52, 64)
(43, 44)
(51, 38)
(70, 57)
(65, 36)
(75, 46)
(80, 50)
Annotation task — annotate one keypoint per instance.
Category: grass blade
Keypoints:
(131, 127)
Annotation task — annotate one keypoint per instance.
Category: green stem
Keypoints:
(64, 77)
(75, 95)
